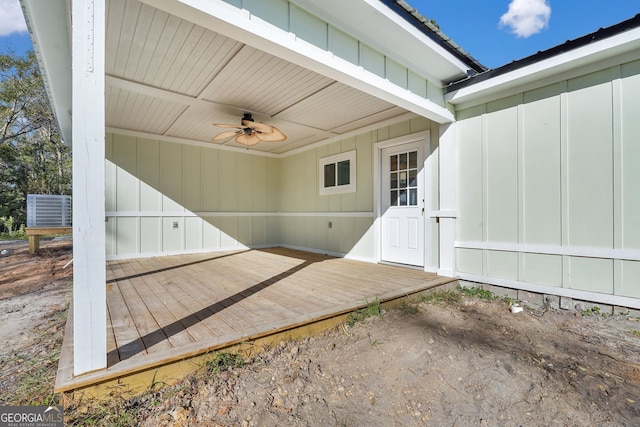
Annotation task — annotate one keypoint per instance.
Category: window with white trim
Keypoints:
(338, 173)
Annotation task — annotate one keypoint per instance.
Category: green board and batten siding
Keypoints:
(227, 199)
(548, 184)
(314, 30)
(165, 197)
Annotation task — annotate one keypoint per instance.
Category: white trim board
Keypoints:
(577, 251)
(614, 300)
(182, 214)
(238, 248)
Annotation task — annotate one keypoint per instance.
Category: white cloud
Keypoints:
(11, 18)
(526, 17)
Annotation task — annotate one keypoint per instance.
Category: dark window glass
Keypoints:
(393, 201)
(413, 160)
(394, 180)
(403, 198)
(413, 178)
(344, 172)
(403, 161)
(413, 197)
(330, 175)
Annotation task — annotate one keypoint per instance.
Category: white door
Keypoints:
(402, 203)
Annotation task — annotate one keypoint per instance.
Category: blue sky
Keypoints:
(476, 25)
(495, 32)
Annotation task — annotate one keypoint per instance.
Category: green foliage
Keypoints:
(593, 311)
(441, 297)
(478, 292)
(33, 158)
(116, 412)
(223, 361)
(373, 309)
(410, 306)
(8, 223)
(34, 381)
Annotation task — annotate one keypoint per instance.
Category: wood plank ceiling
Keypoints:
(167, 76)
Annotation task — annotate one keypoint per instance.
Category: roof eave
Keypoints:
(393, 30)
(544, 66)
(48, 27)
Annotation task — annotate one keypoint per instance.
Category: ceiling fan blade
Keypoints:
(247, 140)
(225, 135)
(222, 125)
(275, 136)
(260, 127)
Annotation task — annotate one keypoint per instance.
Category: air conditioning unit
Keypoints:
(44, 210)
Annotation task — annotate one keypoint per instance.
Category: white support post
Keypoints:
(88, 134)
(447, 210)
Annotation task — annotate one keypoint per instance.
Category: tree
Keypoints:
(33, 158)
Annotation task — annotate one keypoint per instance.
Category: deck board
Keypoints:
(169, 308)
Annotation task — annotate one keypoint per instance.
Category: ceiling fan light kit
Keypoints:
(250, 132)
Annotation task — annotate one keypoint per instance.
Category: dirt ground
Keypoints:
(434, 363)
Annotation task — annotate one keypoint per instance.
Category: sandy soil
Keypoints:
(466, 363)
(35, 291)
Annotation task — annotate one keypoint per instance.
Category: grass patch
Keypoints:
(446, 297)
(373, 309)
(478, 292)
(593, 311)
(33, 384)
(410, 306)
(222, 361)
(117, 412)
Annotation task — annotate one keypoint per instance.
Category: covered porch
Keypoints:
(165, 315)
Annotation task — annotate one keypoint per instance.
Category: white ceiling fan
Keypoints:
(250, 132)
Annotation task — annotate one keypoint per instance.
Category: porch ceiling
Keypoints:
(169, 77)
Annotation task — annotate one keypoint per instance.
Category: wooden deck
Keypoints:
(170, 310)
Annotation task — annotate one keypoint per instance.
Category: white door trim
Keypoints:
(423, 136)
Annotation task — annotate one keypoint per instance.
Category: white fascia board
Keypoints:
(240, 25)
(383, 29)
(575, 60)
(49, 28)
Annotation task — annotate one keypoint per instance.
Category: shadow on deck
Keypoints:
(167, 314)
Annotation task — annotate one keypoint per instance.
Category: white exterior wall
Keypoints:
(547, 188)
(224, 200)
(305, 218)
(219, 199)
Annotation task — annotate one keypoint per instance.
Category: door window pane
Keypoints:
(403, 179)
(413, 178)
(403, 198)
(413, 197)
(413, 160)
(394, 180)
